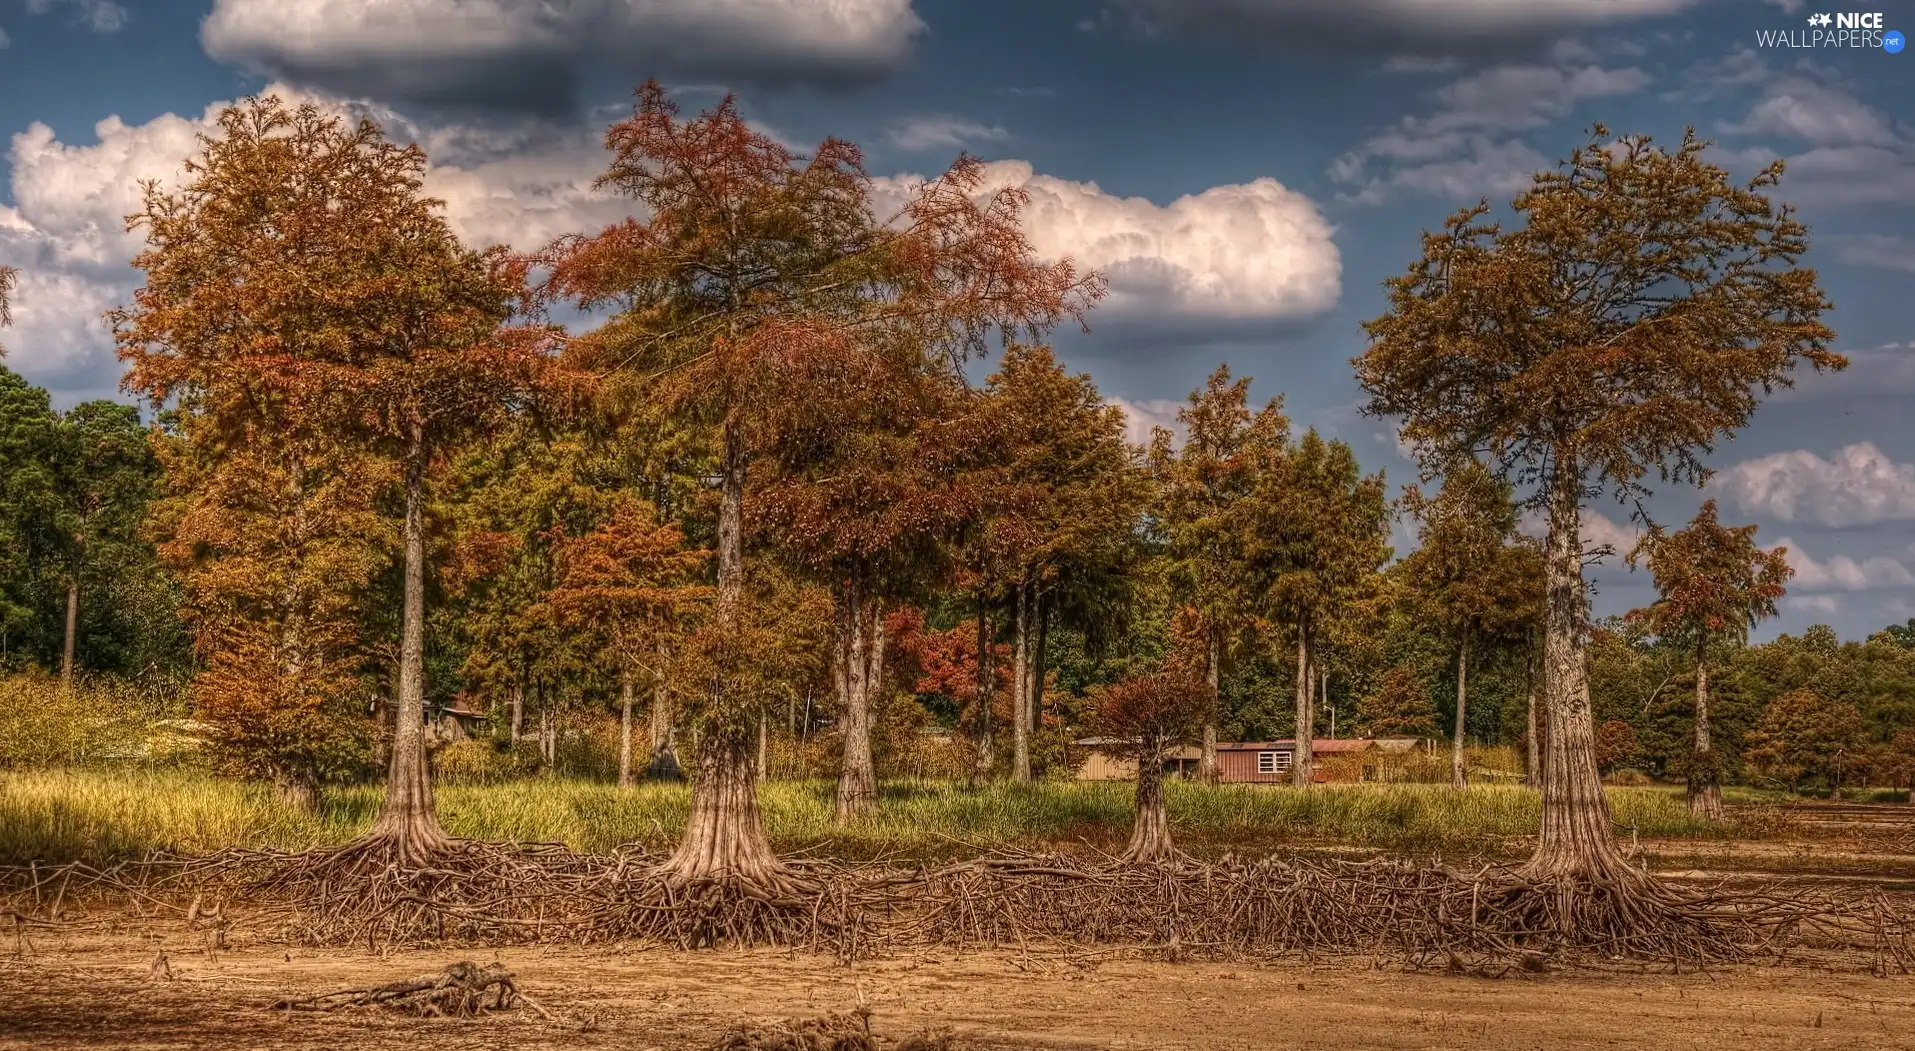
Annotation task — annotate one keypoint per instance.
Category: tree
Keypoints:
(1074, 494)
(1150, 714)
(1714, 585)
(1470, 575)
(1203, 491)
(754, 270)
(1317, 535)
(1804, 734)
(300, 282)
(1616, 744)
(1630, 320)
(106, 474)
(30, 439)
(629, 580)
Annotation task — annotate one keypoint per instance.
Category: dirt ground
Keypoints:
(102, 991)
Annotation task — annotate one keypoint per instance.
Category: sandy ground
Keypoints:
(100, 991)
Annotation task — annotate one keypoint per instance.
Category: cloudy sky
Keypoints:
(1247, 172)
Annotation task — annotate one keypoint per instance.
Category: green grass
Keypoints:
(101, 815)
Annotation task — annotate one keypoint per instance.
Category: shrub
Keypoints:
(44, 722)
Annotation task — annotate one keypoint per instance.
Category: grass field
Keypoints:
(100, 815)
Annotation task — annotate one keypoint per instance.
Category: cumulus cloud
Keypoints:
(943, 133)
(66, 229)
(1840, 150)
(1859, 485)
(1398, 25)
(1142, 418)
(1821, 605)
(1471, 144)
(1598, 531)
(531, 54)
(1842, 573)
(1256, 250)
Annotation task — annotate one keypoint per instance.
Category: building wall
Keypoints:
(1241, 765)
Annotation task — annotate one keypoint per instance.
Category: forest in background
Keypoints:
(927, 553)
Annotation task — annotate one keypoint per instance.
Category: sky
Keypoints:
(1247, 173)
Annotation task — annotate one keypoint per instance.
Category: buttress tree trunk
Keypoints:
(1150, 830)
(1208, 771)
(724, 836)
(986, 741)
(1578, 840)
(1021, 684)
(857, 670)
(72, 626)
(1302, 762)
(625, 691)
(1705, 782)
(1459, 772)
(409, 820)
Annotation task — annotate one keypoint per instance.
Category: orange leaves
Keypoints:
(1153, 710)
(628, 578)
(1714, 580)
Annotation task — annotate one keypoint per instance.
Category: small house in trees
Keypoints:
(1103, 759)
(1269, 762)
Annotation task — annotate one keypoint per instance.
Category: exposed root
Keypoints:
(460, 991)
(832, 1032)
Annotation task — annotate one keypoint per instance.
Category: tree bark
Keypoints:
(1577, 840)
(1150, 831)
(1041, 629)
(857, 669)
(1459, 773)
(72, 626)
(1302, 763)
(986, 744)
(1208, 770)
(764, 746)
(625, 730)
(409, 819)
(1021, 687)
(724, 837)
(1705, 785)
(1533, 754)
(518, 710)
(986, 757)
(662, 761)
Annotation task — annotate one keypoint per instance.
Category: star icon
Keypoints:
(1820, 20)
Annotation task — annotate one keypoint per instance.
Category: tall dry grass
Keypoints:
(119, 812)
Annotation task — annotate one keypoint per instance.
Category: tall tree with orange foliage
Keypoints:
(1630, 319)
(302, 294)
(1715, 584)
(754, 269)
(629, 581)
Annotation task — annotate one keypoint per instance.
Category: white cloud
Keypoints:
(1872, 372)
(101, 16)
(1853, 153)
(1470, 145)
(529, 54)
(1842, 573)
(66, 230)
(1881, 251)
(943, 133)
(1823, 605)
(1859, 485)
(1144, 416)
(1392, 24)
(1250, 251)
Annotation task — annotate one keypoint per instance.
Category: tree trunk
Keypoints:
(1041, 615)
(1577, 839)
(1021, 687)
(1533, 754)
(662, 762)
(857, 669)
(625, 730)
(409, 820)
(1150, 831)
(1705, 786)
(724, 836)
(297, 789)
(986, 757)
(518, 710)
(1302, 761)
(72, 626)
(1208, 770)
(1459, 774)
(764, 747)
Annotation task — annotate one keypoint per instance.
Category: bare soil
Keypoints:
(103, 990)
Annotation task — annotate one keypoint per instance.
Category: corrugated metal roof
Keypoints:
(1319, 745)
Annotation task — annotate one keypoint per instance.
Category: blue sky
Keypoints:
(1247, 171)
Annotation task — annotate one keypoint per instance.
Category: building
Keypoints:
(1104, 759)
